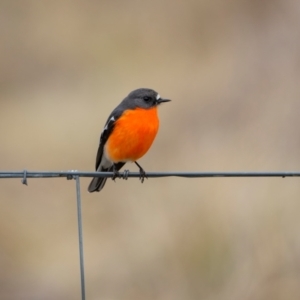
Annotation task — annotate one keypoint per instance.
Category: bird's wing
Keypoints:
(108, 128)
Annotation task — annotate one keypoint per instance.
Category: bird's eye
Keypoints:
(146, 98)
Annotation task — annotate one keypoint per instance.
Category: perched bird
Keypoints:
(128, 134)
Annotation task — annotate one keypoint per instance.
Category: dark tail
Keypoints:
(97, 184)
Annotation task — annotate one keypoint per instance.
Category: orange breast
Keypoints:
(133, 134)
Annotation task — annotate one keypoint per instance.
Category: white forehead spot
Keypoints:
(158, 96)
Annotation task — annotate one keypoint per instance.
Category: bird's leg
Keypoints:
(142, 173)
(116, 173)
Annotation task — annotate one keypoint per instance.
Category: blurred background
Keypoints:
(232, 69)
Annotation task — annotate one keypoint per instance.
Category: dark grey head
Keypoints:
(144, 98)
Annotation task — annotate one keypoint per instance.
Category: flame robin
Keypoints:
(128, 134)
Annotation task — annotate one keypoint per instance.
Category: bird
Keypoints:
(127, 135)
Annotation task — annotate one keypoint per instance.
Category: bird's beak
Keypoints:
(161, 100)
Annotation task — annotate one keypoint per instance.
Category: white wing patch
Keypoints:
(112, 119)
(157, 96)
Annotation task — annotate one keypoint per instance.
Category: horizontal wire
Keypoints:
(76, 174)
(71, 174)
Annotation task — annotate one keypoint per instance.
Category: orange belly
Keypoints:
(132, 136)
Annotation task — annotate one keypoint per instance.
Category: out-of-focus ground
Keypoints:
(232, 69)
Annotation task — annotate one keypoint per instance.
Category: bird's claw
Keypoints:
(142, 175)
(115, 175)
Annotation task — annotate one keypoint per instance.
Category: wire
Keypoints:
(72, 174)
(124, 175)
(80, 237)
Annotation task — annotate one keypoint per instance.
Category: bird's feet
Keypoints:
(115, 175)
(142, 173)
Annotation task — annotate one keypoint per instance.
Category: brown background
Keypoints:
(232, 70)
